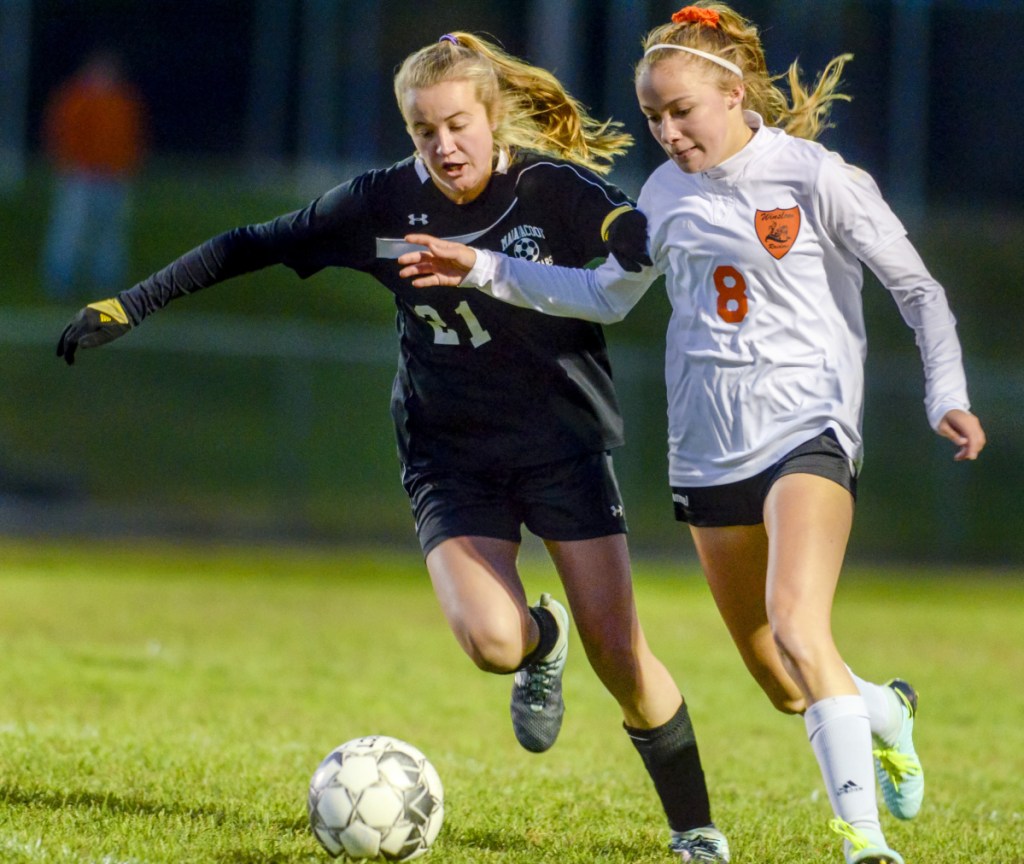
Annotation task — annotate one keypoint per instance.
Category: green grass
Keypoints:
(169, 703)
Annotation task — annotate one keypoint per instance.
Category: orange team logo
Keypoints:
(777, 229)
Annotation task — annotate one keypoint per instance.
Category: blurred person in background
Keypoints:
(760, 233)
(505, 417)
(94, 136)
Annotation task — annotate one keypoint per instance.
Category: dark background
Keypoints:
(219, 421)
(196, 62)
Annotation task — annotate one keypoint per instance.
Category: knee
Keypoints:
(493, 647)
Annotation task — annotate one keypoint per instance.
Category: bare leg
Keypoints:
(735, 561)
(598, 585)
(808, 520)
(482, 597)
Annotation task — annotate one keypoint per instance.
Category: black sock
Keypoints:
(671, 758)
(548, 635)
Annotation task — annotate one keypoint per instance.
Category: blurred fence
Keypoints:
(228, 426)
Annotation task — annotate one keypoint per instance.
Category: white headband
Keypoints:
(714, 58)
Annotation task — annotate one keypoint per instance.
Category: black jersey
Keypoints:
(480, 383)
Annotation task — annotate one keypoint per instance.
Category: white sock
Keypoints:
(840, 734)
(884, 708)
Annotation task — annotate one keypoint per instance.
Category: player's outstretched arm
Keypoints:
(443, 262)
(96, 324)
(603, 295)
(963, 429)
(241, 250)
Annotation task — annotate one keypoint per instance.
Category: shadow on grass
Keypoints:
(108, 802)
(465, 841)
(114, 804)
(461, 845)
(509, 842)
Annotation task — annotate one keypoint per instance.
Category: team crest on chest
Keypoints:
(777, 229)
(521, 242)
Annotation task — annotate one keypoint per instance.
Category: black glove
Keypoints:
(627, 240)
(96, 324)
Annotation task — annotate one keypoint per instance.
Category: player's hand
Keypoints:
(443, 262)
(627, 240)
(96, 324)
(964, 430)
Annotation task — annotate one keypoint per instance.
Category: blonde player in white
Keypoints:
(761, 234)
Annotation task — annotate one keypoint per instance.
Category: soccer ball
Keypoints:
(526, 248)
(376, 797)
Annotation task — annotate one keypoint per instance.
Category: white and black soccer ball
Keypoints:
(526, 248)
(376, 797)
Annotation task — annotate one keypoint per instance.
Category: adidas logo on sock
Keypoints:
(849, 786)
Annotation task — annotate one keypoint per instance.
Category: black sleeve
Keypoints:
(334, 230)
(581, 200)
(595, 199)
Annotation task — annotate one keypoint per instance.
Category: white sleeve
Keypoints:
(923, 305)
(604, 294)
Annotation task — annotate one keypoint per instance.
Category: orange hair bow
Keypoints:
(696, 15)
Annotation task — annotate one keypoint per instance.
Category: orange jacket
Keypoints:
(95, 128)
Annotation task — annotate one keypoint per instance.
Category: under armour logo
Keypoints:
(616, 510)
(418, 220)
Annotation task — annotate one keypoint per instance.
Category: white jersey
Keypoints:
(766, 345)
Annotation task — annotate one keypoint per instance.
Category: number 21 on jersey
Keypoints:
(446, 334)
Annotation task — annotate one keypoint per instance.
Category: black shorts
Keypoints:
(742, 503)
(572, 499)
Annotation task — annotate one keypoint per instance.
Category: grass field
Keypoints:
(166, 703)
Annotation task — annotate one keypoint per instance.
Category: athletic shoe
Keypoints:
(897, 767)
(537, 705)
(700, 844)
(859, 848)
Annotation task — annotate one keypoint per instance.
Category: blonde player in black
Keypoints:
(504, 417)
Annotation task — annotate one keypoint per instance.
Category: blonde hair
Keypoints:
(528, 105)
(734, 38)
